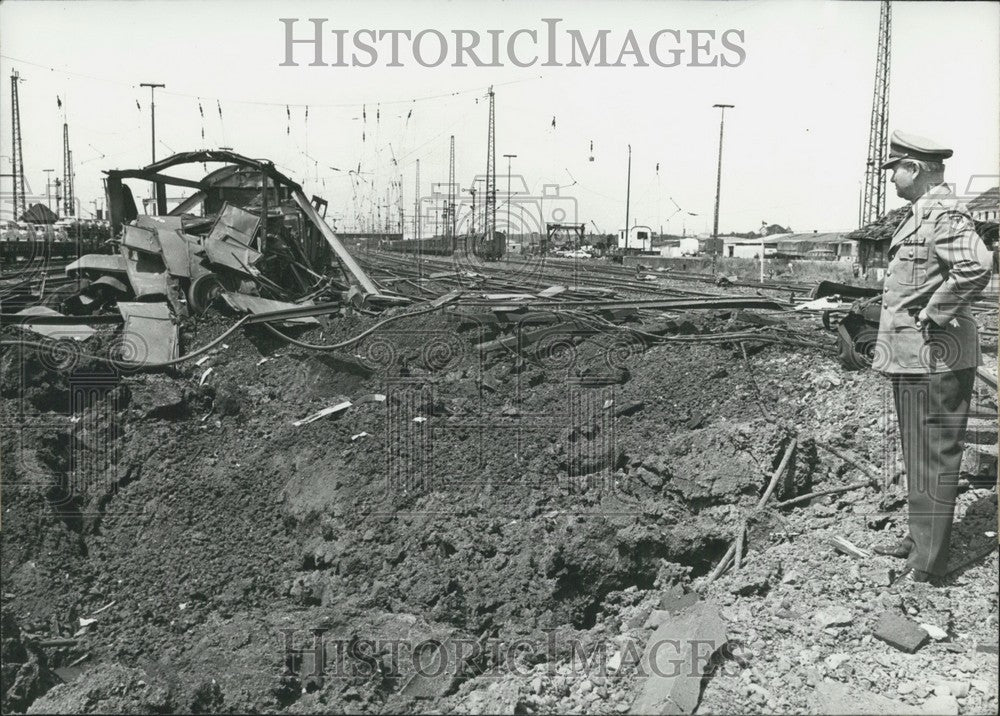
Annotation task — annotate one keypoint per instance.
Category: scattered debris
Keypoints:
(105, 607)
(833, 616)
(332, 410)
(833, 697)
(439, 667)
(77, 332)
(845, 546)
(150, 334)
(690, 639)
(899, 632)
(255, 305)
(934, 632)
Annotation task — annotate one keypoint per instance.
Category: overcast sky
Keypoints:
(795, 144)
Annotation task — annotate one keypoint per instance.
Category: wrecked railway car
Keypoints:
(247, 235)
(247, 228)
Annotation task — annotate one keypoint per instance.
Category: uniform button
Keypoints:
(888, 273)
(885, 304)
(885, 290)
(910, 253)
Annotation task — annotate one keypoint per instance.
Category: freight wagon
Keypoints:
(20, 241)
(467, 244)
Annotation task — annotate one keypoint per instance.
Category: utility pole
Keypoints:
(472, 228)
(400, 202)
(416, 222)
(17, 158)
(861, 195)
(874, 199)
(416, 203)
(152, 112)
(628, 194)
(490, 201)
(509, 157)
(474, 182)
(451, 196)
(718, 177)
(48, 187)
(152, 116)
(68, 195)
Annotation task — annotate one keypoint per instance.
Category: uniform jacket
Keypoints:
(937, 261)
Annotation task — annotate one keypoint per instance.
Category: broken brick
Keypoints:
(900, 632)
(630, 408)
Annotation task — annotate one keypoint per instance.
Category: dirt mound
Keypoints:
(111, 688)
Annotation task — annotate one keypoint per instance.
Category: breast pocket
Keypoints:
(913, 263)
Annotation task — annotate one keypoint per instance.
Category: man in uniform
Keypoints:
(928, 344)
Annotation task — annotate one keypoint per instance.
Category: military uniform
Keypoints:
(939, 264)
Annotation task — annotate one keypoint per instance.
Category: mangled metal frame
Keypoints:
(119, 212)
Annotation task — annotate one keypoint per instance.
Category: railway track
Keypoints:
(33, 268)
(523, 275)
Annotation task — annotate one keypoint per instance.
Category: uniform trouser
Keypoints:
(933, 410)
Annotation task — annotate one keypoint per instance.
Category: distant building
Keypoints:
(828, 246)
(745, 248)
(687, 246)
(640, 239)
(986, 206)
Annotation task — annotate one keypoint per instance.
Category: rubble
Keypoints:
(833, 616)
(900, 632)
(677, 656)
(833, 697)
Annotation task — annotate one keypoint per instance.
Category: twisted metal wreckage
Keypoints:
(260, 246)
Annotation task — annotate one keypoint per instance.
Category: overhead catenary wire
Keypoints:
(277, 103)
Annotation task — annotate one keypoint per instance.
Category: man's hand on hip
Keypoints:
(924, 322)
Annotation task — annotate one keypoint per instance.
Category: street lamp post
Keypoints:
(509, 157)
(718, 178)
